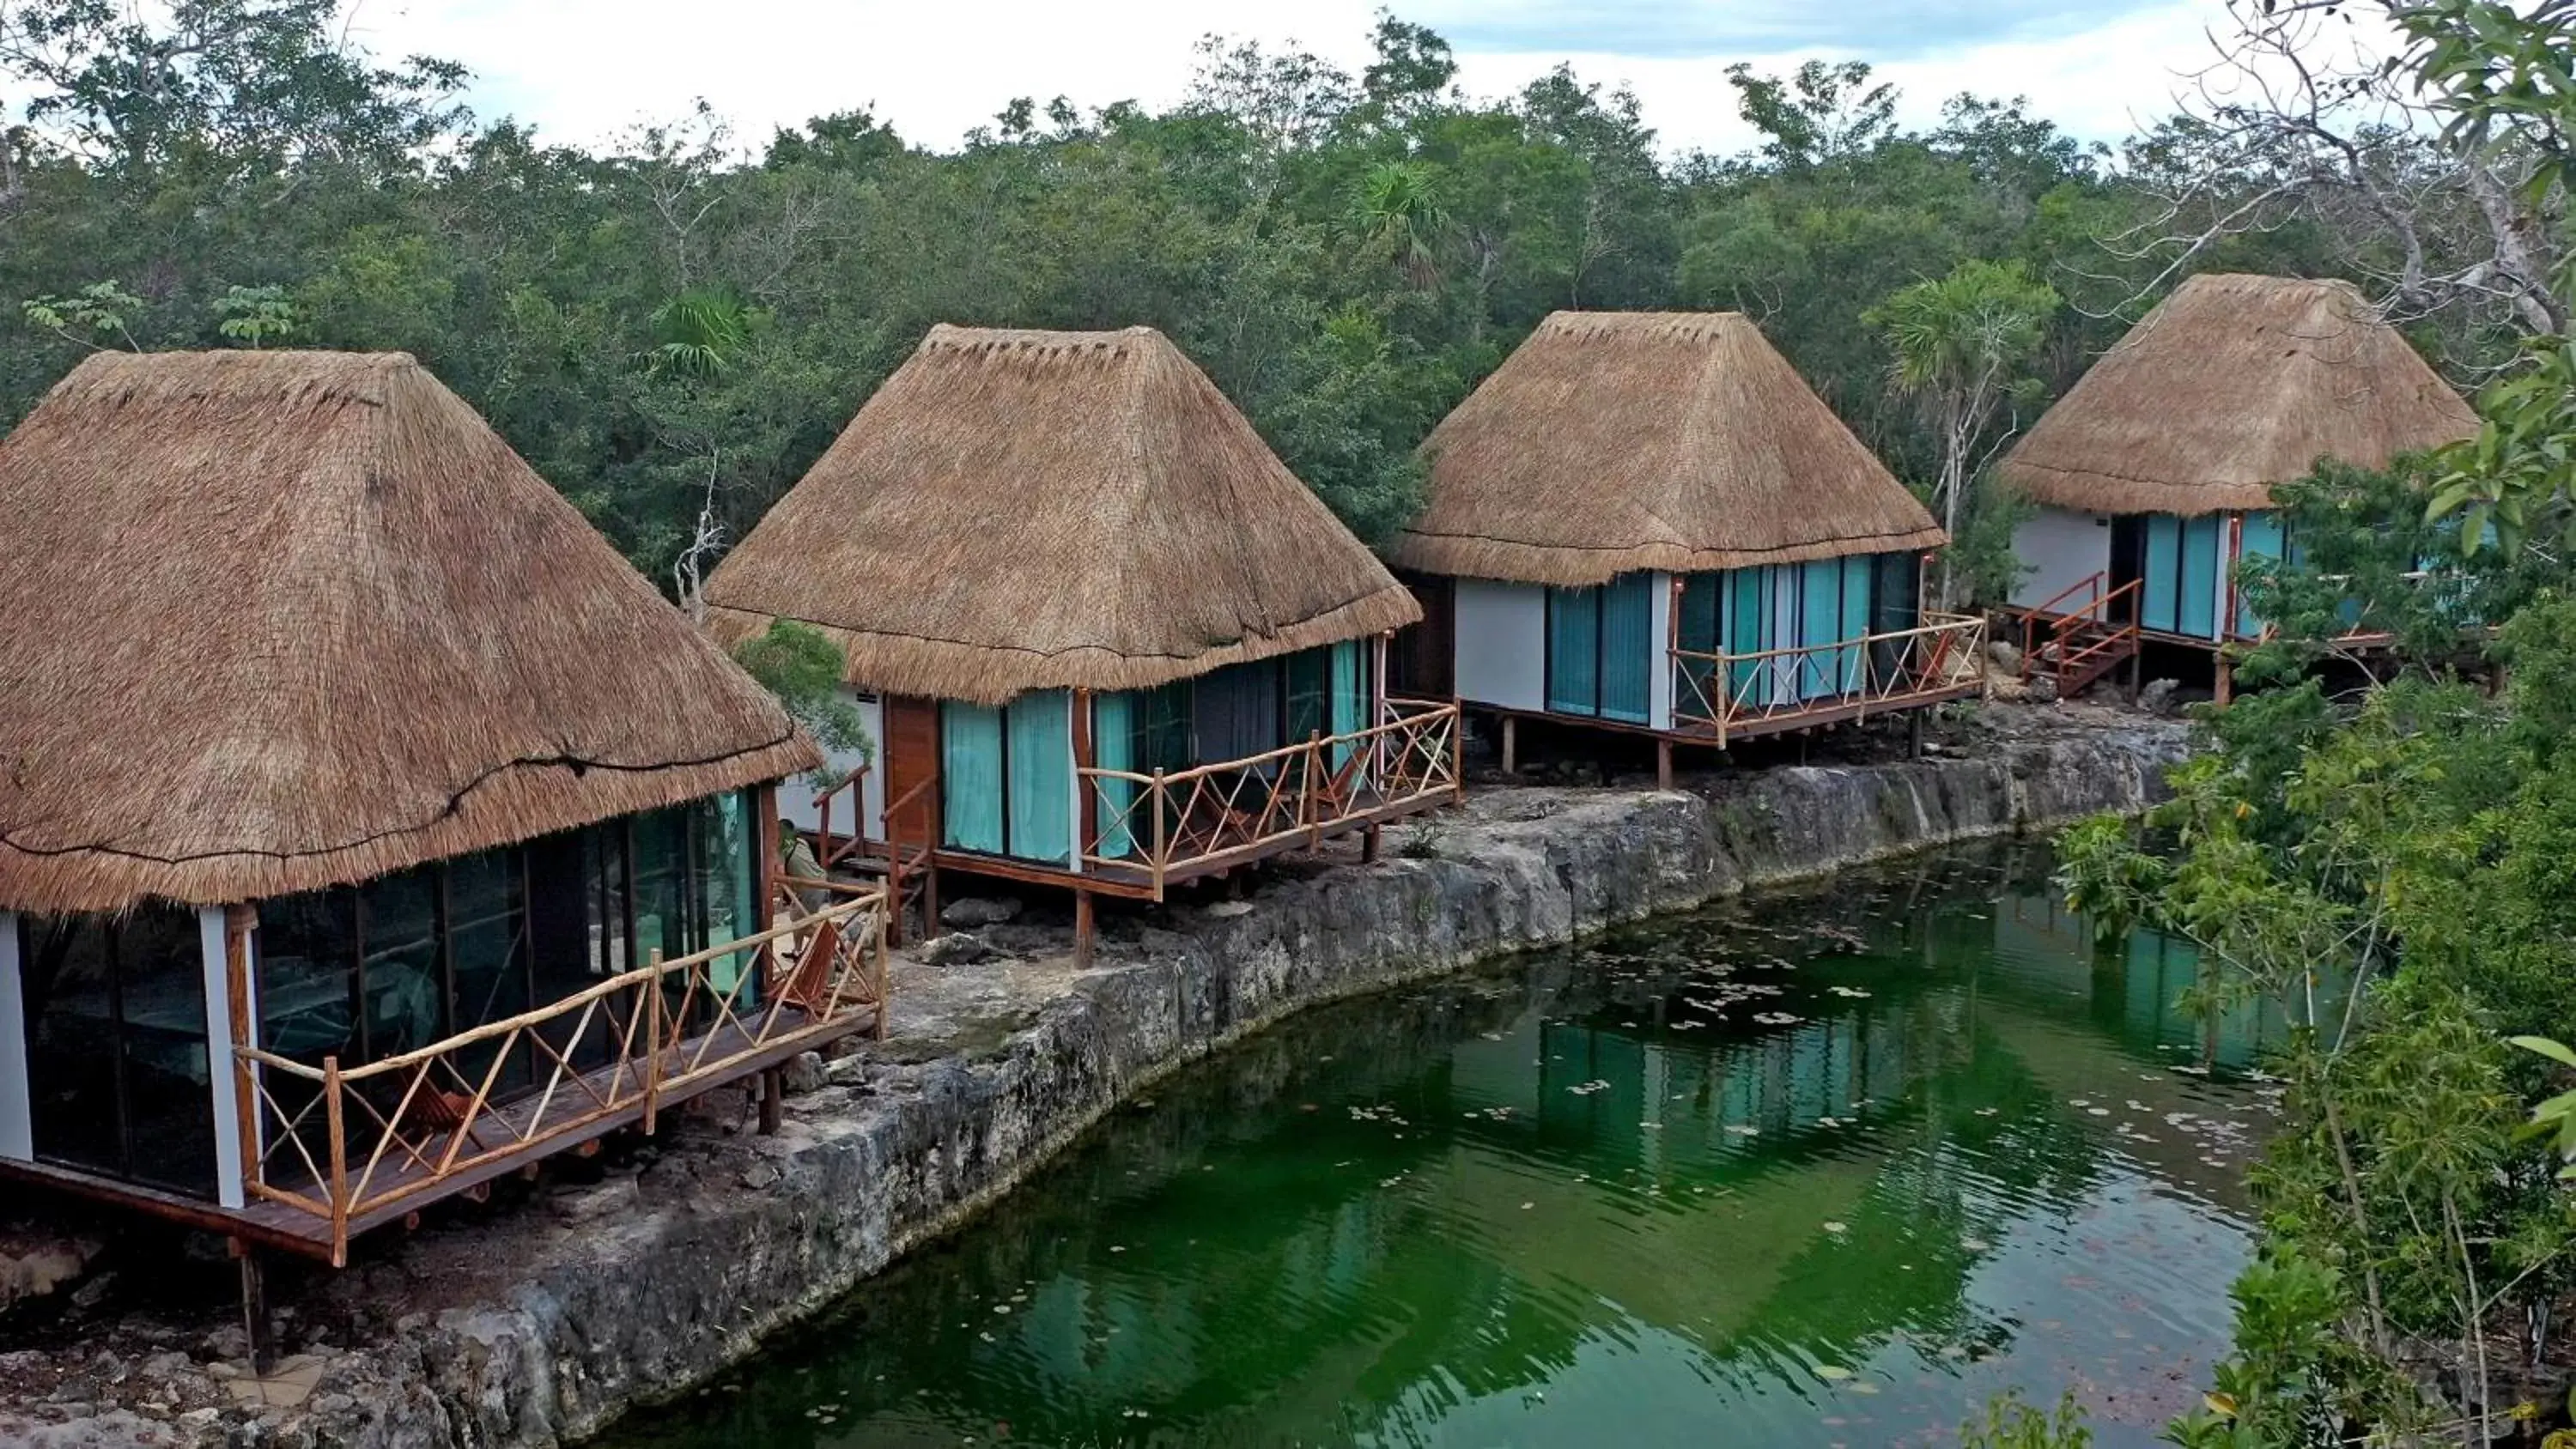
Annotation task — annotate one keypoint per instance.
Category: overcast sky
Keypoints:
(583, 70)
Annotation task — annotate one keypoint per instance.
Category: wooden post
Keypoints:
(2137, 668)
(1511, 745)
(1087, 825)
(1663, 764)
(332, 1124)
(1085, 788)
(773, 1100)
(1312, 769)
(768, 801)
(2223, 688)
(1369, 842)
(653, 1041)
(257, 1326)
(1161, 800)
(1914, 735)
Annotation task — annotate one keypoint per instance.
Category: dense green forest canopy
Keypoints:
(672, 327)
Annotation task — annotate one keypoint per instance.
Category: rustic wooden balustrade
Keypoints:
(1846, 679)
(354, 1146)
(1169, 826)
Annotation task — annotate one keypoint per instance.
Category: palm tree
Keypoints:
(1397, 210)
(1962, 343)
(697, 334)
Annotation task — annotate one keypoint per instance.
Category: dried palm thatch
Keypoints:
(273, 621)
(2232, 384)
(1020, 510)
(1616, 441)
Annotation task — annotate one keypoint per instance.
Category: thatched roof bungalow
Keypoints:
(1649, 520)
(327, 729)
(2156, 469)
(1050, 555)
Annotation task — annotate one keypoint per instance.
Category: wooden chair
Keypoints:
(806, 985)
(442, 1113)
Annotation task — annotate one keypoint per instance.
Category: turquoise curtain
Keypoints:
(2196, 613)
(1113, 747)
(1820, 604)
(1350, 693)
(1855, 620)
(2262, 540)
(2156, 590)
(1702, 594)
(1748, 627)
(1573, 650)
(970, 777)
(1041, 776)
(1628, 648)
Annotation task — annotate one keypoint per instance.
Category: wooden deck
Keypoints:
(409, 1185)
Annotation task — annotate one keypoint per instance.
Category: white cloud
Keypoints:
(584, 70)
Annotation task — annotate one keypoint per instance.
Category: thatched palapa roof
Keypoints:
(2233, 384)
(1616, 441)
(273, 621)
(1018, 510)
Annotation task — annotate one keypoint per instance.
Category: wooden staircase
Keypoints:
(902, 866)
(2080, 635)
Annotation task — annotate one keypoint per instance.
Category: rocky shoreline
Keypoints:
(614, 1284)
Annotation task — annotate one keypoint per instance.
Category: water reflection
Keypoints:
(1827, 1171)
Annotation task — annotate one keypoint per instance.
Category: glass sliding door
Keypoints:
(403, 1002)
(1574, 650)
(1627, 648)
(1038, 814)
(1820, 623)
(970, 777)
(1006, 783)
(118, 1067)
(2197, 612)
(2263, 540)
(1600, 649)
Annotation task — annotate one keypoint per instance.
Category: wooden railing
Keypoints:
(348, 1144)
(1177, 824)
(830, 849)
(1728, 693)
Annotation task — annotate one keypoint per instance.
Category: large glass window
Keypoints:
(1007, 777)
(117, 1060)
(408, 960)
(1600, 649)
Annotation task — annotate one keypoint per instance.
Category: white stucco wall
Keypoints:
(796, 796)
(17, 1138)
(2061, 548)
(1502, 644)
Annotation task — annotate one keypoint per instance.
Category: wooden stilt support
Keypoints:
(929, 900)
(1370, 840)
(2224, 688)
(1663, 764)
(1085, 927)
(1511, 745)
(1914, 735)
(256, 1324)
(2137, 669)
(773, 1101)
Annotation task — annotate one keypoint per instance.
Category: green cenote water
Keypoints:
(1811, 1171)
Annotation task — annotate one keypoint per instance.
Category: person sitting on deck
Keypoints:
(796, 861)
